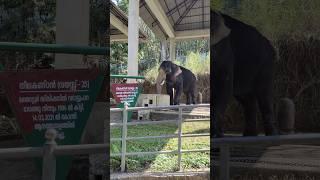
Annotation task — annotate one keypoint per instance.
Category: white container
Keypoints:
(150, 100)
(153, 100)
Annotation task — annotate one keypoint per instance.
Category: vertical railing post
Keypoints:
(224, 162)
(124, 137)
(49, 160)
(179, 137)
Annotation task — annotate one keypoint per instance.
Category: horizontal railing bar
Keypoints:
(115, 139)
(162, 107)
(145, 122)
(81, 149)
(116, 109)
(283, 139)
(153, 137)
(23, 152)
(53, 48)
(195, 150)
(196, 120)
(195, 135)
(159, 152)
(161, 137)
(145, 153)
(126, 76)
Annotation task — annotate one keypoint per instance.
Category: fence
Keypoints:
(125, 124)
(226, 143)
(49, 152)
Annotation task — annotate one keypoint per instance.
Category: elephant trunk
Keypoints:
(159, 81)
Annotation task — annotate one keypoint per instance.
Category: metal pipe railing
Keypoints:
(226, 143)
(53, 48)
(179, 135)
(126, 76)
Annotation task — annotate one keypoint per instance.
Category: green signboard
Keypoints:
(53, 99)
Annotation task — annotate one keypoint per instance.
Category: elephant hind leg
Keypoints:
(187, 94)
(265, 101)
(192, 96)
(178, 92)
(266, 109)
(249, 103)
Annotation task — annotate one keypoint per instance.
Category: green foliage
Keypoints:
(275, 19)
(198, 64)
(34, 21)
(123, 5)
(118, 58)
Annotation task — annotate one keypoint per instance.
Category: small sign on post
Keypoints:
(126, 93)
(53, 99)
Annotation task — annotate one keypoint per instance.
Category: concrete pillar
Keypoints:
(172, 49)
(72, 27)
(133, 39)
(163, 50)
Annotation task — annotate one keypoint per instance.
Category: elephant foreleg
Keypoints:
(222, 93)
(170, 92)
(266, 108)
(178, 92)
(249, 103)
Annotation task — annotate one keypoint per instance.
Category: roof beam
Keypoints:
(118, 38)
(159, 13)
(175, 9)
(123, 38)
(192, 34)
(118, 24)
(185, 12)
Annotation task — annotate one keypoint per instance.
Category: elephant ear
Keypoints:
(220, 30)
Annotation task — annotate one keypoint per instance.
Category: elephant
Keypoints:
(178, 78)
(242, 67)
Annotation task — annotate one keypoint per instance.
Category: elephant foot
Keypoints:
(271, 131)
(217, 135)
(250, 133)
(215, 150)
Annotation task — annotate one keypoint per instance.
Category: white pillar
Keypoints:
(133, 38)
(72, 27)
(172, 49)
(163, 50)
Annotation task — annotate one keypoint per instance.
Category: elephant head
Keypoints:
(166, 68)
(220, 30)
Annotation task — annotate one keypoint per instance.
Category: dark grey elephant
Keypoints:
(178, 78)
(242, 66)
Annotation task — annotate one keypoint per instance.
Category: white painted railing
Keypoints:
(180, 135)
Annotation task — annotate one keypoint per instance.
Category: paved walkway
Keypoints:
(293, 158)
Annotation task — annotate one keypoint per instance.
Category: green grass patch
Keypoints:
(162, 162)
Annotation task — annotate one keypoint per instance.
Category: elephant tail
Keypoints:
(286, 116)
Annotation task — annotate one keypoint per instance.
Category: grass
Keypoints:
(162, 162)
